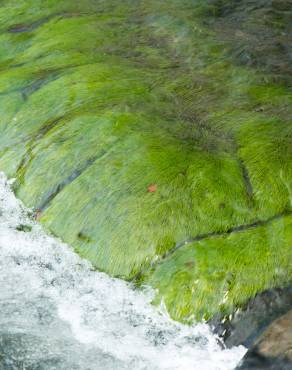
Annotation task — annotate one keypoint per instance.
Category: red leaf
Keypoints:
(152, 188)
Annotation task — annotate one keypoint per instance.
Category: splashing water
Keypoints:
(57, 313)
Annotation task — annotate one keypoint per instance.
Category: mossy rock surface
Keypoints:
(150, 145)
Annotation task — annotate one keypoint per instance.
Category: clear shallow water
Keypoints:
(57, 313)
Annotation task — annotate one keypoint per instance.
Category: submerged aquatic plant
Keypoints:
(102, 100)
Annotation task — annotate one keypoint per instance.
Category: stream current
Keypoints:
(57, 313)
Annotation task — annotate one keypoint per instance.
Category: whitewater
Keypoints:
(57, 313)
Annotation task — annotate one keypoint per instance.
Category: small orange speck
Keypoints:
(152, 188)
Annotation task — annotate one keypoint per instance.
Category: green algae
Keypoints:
(222, 272)
(100, 100)
(266, 145)
(121, 215)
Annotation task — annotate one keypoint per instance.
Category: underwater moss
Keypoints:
(222, 272)
(102, 100)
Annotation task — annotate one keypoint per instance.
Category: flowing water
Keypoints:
(57, 313)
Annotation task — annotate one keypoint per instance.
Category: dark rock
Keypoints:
(246, 325)
(254, 361)
(273, 349)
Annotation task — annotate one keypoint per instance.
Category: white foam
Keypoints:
(104, 314)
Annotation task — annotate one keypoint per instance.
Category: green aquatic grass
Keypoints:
(119, 213)
(101, 99)
(67, 149)
(221, 273)
(266, 149)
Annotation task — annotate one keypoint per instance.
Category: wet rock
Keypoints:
(256, 362)
(276, 341)
(273, 349)
(247, 324)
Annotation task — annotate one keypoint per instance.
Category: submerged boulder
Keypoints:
(143, 141)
